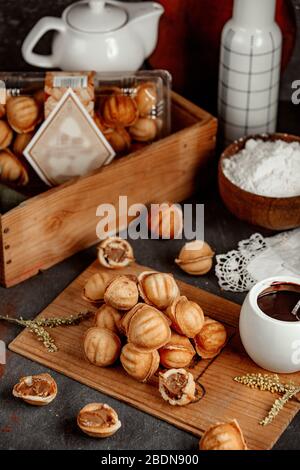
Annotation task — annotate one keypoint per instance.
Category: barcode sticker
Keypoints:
(68, 81)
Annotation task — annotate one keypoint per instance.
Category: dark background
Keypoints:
(17, 17)
(54, 427)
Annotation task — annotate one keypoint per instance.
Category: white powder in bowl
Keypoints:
(266, 168)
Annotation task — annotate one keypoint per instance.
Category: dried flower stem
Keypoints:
(16, 321)
(38, 330)
(37, 327)
(278, 405)
(270, 383)
(63, 321)
(42, 335)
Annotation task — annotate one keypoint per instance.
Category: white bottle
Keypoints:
(249, 72)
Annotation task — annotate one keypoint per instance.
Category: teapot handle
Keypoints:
(44, 25)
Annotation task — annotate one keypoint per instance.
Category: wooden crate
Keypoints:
(62, 221)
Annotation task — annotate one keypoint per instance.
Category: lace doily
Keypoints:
(231, 268)
(258, 258)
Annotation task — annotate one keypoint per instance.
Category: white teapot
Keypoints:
(105, 36)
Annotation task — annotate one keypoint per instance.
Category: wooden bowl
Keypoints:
(276, 213)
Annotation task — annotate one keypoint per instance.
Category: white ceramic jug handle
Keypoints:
(45, 24)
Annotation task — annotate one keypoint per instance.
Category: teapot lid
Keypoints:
(96, 16)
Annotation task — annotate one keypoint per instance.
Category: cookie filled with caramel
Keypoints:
(98, 420)
(177, 387)
(37, 390)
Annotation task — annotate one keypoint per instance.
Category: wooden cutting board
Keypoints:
(224, 399)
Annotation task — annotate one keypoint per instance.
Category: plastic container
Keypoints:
(145, 94)
(50, 227)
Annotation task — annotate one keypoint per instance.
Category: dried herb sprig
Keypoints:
(37, 327)
(63, 321)
(270, 383)
(278, 406)
(33, 327)
(42, 335)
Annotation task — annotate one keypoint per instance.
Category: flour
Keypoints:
(266, 168)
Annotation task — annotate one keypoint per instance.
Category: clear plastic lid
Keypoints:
(131, 110)
(96, 16)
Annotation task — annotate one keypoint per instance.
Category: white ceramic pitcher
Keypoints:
(104, 36)
(249, 70)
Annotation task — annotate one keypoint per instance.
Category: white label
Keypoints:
(68, 144)
(69, 81)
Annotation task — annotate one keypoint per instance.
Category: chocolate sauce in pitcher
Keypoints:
(279, 300)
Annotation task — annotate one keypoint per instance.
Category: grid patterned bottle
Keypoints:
(249, 70)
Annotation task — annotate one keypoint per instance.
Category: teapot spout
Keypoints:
(144, 19)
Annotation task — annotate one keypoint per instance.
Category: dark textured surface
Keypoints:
(17, 17)
(293, 70)
(54, 427)
(22, 426)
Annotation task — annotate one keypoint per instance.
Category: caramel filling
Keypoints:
(115, 254)
(100, 418)
(36, 388)
(174, 385)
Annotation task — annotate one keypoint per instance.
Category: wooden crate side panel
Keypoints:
(198, 113)
(54, 225)
(50, 228)
(185, 113)
(181, 118)
(2, 255)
